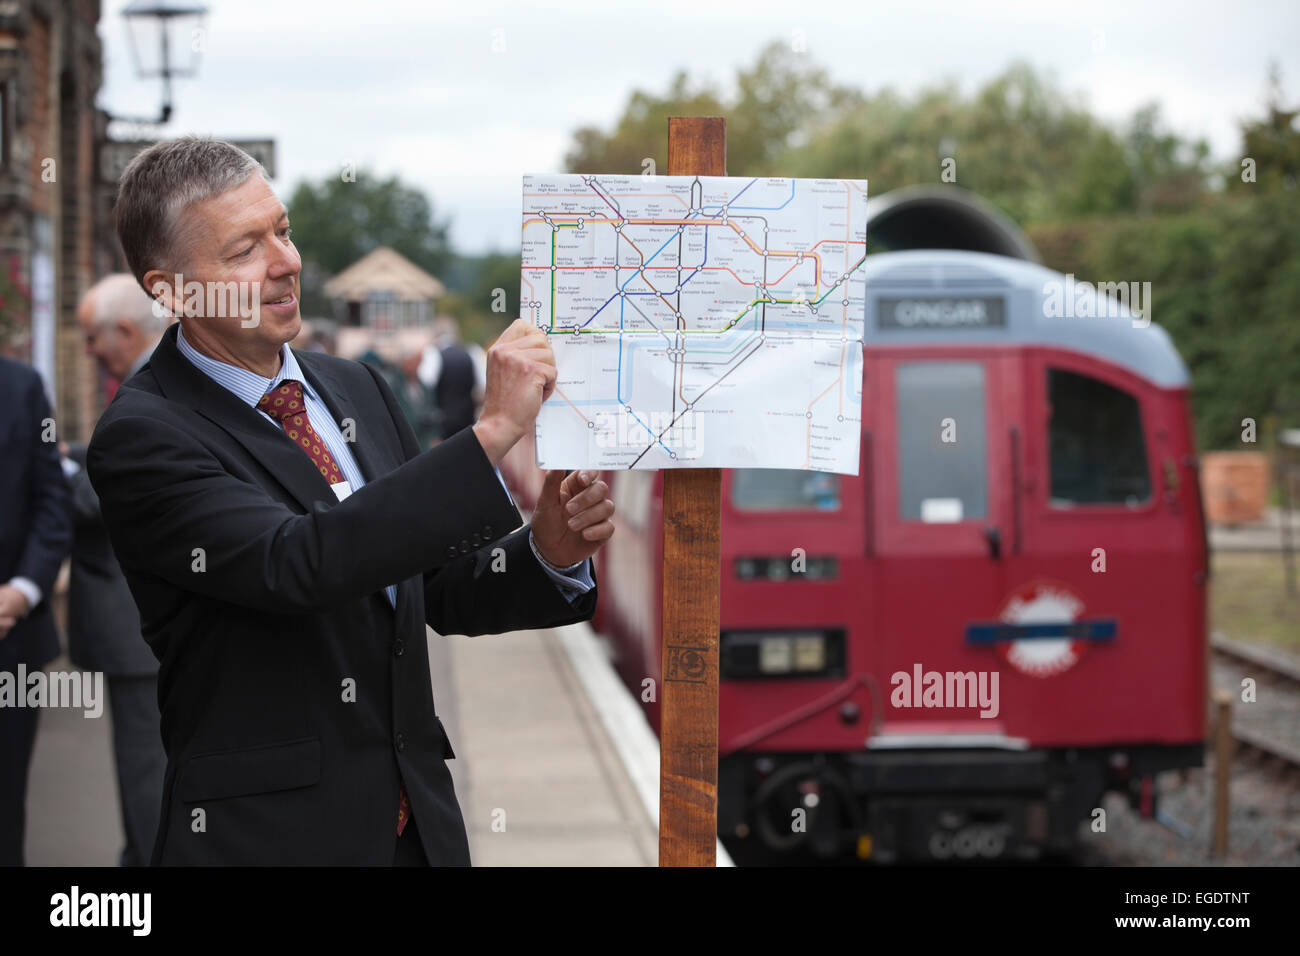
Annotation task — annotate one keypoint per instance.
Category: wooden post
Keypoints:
(1222, 771)
(1282, 453)
(688, 727)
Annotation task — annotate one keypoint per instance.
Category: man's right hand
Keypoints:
(13, 605)
(520, 376)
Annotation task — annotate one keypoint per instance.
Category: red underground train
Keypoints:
(955, 654)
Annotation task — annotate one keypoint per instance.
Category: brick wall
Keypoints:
(37, 121)
(50, 71)
(80, 399)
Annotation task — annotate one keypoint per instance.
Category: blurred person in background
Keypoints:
(35, 536)
(310, 338)
(119, 332)
(451, 374)
(479, 356)
(418, 401)
(121, 327)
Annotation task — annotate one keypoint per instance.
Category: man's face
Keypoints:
(240, 237)
(104, 342)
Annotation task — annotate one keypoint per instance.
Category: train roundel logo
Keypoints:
(1042, 603)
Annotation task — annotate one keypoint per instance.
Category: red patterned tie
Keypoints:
(285, 404)
(403, 811)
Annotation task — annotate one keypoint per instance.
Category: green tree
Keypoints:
(1255, 298)
(485, 296)
(1271, 144)
(1224, 268)
(775, 104)
(1169, 174)
(1018, 140)
(640, 133)
(336, 222)
(1225, 283)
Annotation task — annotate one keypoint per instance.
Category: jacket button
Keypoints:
(401, 741)
(399, 647)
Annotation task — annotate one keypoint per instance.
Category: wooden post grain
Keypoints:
(1222, 771)
(688, 729)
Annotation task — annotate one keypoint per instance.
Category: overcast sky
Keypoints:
(424, 90)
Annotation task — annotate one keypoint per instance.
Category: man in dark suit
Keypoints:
(35, 536)
(447, 370)
(121, 328)
(286, 541)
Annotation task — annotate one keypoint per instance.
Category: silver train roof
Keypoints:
(1042, 307)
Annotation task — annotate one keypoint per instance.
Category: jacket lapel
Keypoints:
(182, 382)
(373, 458)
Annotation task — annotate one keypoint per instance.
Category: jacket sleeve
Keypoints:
(500, 586)
(172, 510)
(49, 530)
(85, 503)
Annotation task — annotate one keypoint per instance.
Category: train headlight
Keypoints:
(776, 655)
(746, 655)
(810, 653)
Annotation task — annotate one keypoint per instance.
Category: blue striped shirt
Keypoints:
(249, 387)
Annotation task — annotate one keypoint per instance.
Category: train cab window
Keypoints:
(777, 489)
(942, 443)
(1098, 454)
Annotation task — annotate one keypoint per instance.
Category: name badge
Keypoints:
(342, 489)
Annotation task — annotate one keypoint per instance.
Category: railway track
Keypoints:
(1269, 726)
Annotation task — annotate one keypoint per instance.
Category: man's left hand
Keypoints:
(572, 520)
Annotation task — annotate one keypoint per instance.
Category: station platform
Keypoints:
(555, 764)
(539, 778)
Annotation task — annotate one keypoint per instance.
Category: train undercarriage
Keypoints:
(919, 806)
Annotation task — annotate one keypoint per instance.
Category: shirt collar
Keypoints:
(247, 386)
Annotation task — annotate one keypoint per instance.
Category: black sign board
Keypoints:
(942, 312)
(114, 155)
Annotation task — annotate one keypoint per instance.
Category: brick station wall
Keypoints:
(50, 69)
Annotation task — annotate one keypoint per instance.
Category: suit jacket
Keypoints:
(293, 695)
(35, 523)
(103, 624)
